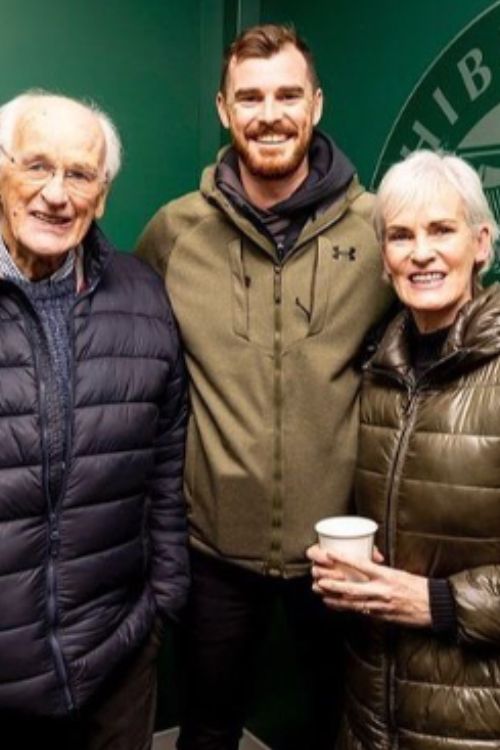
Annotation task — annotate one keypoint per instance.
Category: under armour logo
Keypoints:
(337, 253)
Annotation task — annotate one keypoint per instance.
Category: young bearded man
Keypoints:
(274, 275)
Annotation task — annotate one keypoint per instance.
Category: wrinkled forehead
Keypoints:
(60, 130)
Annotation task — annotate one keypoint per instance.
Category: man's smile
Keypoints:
(52, 219)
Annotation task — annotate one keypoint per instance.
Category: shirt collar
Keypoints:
(73, 263)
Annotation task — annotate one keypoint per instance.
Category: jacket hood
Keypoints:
(474, 337)
(330, 187)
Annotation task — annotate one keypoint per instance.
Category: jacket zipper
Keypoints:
(234, 215)
(53, 520)
(54, 534)
(60, 663)
(54, 539)
(413, 389)
(409, 413)
(68, 436)
(277, 500)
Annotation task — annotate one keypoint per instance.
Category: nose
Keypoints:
(54, 190)
(422, 251)
(270, 111)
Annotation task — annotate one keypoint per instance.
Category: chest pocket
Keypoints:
(288, 300)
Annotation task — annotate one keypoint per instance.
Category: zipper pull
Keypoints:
(54, 542)
(277, 284)
(411, 391)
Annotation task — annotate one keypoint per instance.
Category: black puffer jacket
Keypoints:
(429, 472)
(81, 582)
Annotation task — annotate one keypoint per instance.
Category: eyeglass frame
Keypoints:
(92, 181)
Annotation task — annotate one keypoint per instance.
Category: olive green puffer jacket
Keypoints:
(429, 473)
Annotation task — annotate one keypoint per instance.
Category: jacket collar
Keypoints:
(87, 261)
(311, 229)
(473, 338)
(97, 252)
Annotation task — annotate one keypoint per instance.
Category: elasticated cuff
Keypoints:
(442, 605)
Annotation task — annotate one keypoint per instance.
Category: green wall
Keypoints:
(141, 62)
(154, 65)
(370, 54)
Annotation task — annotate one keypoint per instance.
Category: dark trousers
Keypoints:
(227, 617)
(119, 717)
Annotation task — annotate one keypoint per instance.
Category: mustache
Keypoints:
(261, 129)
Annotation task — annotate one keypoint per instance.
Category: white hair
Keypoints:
(418, 180)
(12, 110)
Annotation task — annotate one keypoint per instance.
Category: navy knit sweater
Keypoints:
(52, 301)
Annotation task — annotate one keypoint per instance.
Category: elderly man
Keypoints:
(275, 278)
(92, 403)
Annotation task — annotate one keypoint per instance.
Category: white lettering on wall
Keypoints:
(475, 75)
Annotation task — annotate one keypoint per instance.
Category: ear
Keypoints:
(222, 109)
(483, 245)
(317, 106)
(101, 203)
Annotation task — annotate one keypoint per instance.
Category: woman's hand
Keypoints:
(385, 593)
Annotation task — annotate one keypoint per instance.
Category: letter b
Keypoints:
(476, 77)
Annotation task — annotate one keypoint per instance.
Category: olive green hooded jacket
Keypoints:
(269, 348)
(429, 473)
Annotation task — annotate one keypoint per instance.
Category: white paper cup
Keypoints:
(350, 536)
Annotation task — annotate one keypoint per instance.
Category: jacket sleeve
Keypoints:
(169, 567)
(477, 605)
(156, 241)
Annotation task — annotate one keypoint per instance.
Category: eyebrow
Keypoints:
(40, 156)
(294, 90)
(396, 227)
(33, 156)
(244, 93)
(82, 167)
(442, 221)
(282, 90)
(432, 223)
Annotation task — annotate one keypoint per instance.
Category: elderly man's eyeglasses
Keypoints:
(77, 181)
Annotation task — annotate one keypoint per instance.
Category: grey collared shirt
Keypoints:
(9, 270)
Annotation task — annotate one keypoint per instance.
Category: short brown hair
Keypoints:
(265, 41)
